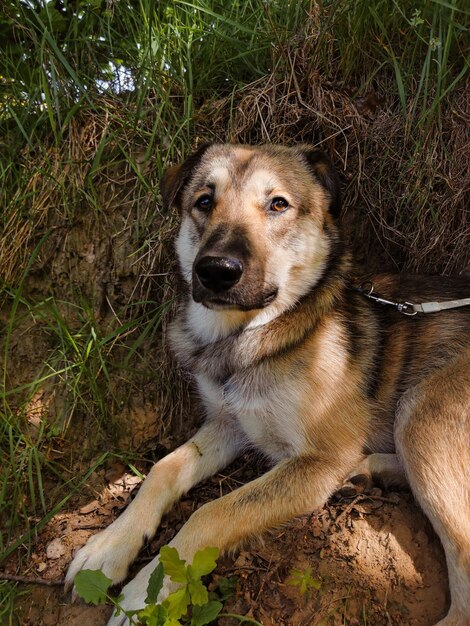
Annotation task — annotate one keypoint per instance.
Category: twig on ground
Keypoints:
(32, 580)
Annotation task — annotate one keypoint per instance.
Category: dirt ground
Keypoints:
(373, 557)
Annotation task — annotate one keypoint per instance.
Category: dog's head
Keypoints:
(257, 223)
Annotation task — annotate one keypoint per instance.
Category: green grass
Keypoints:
(9, 595)
(80, 361)
(178, 54)
(160, 50)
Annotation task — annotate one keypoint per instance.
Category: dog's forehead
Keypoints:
(244, 168)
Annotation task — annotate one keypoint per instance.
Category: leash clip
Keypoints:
(367, 290)
(403, 307)
(408, 308)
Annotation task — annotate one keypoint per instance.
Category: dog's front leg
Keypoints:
(214, 446)
(292, 488)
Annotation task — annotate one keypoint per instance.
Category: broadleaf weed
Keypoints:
(191, 604)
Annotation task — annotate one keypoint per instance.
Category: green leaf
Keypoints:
(153, 615)
(204, 562)
(155, 584)
(227, 587)
(206, 613)
(198, 592)
(174, 567)
(177, 603)
(92, 586)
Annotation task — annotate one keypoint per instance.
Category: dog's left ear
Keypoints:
(327, 176)
(176, 178)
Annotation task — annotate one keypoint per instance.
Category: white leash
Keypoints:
(433, 307)
(408, 308)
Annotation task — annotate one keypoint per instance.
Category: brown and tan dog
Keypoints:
(289, 358)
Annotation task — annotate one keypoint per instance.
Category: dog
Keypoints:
(291, 358)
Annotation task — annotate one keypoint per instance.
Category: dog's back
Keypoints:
(408, 348)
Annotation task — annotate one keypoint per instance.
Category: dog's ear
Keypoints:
(326, 174)
(177, 176)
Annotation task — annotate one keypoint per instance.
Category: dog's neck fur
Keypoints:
(244, 342)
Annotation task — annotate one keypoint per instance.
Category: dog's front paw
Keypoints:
(111, 551)
(135, 593)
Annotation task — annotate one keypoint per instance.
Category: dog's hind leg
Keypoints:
(386, 468)
(213, 447)
(433, 439)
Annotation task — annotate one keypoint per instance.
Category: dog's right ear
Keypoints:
(176, 178)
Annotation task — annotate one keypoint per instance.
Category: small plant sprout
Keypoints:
(304, 580)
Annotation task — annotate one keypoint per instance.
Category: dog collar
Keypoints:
(409, 308)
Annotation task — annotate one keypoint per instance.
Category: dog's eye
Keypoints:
(204, 203)
(279, 204)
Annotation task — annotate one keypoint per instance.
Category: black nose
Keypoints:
(218, 273)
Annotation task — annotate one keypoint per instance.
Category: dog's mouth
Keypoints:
(231, 302)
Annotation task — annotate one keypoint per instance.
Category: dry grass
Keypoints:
(97, 175)
(107, 261)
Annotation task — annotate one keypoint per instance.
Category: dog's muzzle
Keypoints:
(218, 284)
(218, 273)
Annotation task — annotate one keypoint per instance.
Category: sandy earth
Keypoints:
(374, 557)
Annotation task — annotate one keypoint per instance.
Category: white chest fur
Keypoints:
(268, 416)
